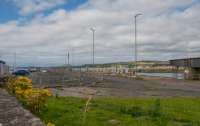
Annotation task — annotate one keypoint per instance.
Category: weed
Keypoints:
(86, 109)
(155, 110)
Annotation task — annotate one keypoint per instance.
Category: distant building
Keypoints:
(4, 69)
(34, 69)
(59, 69)
(191, 66)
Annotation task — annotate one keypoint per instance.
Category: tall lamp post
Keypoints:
(136, 16)
(93, 32)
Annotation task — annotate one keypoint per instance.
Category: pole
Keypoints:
(68, 58)
(135, 46)
(93, 48)
(72, 55)
(136, 55)
(93, 35)
(15, 61)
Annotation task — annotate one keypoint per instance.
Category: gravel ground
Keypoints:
(152, 87)
(93, 84)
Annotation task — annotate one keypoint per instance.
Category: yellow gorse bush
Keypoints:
(36, 98)
(50, 124)
(32, 98)
(19, 83)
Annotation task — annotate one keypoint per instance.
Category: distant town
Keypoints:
(179, 68)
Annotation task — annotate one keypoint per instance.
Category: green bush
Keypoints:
(134, 111)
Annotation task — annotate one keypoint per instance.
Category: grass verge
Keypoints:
(68, 111)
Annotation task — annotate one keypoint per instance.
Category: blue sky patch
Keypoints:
(9, 11)
(69, 6)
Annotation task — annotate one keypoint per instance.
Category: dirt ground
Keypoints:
(84, 84)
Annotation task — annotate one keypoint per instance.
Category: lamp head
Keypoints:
(138, 14)
(92, 29)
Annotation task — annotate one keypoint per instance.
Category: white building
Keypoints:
(4, 69)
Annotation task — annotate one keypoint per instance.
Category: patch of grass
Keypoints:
(68, 111)
(134, 111)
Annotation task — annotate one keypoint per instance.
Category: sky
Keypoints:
(42, 32)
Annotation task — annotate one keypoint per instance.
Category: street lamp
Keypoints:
(137, 15)
(93, 31)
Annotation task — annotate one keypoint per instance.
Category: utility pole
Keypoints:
(136, 55)
(68, 58)
(72, 57)
(66, 67)
(93, 35)
(15, 61)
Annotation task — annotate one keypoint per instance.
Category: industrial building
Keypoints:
(191, 65)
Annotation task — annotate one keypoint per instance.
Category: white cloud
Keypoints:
(164, 32)
(32, 6)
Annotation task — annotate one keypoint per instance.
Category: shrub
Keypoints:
(34, 99)
(134, 111)
(19, 84)
(50, 124)
(31, 98)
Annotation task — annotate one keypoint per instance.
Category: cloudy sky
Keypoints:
(41, 32)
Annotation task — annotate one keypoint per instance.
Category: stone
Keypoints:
(114, 121)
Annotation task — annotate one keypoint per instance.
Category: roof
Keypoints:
(190, 62)
(186, 58)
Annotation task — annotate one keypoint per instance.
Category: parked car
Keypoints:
(21, 73)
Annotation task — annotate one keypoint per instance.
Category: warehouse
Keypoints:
(191, 65)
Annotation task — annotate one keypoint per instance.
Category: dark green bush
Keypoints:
(135, 111)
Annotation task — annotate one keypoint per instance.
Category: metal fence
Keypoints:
(66, 79)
